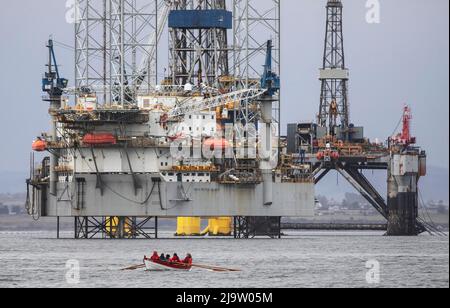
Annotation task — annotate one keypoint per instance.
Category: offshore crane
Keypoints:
(270, 80)
(53, 84)
(216, 101)
(405, 138)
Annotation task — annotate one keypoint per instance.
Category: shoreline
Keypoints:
(14, 223)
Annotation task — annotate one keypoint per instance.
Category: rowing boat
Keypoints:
(158, 265)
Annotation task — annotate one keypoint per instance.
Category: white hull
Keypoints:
(152, 266)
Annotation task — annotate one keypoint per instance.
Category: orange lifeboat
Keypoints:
(214, 143)
(99, 139)
(39, 145)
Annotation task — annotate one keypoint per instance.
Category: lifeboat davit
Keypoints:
(39, 145)
(216, 144)
(99, 139)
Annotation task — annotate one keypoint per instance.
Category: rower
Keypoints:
(155, 256)
(175, 258)
(188, 259)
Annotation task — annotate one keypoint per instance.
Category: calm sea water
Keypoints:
(313, 259)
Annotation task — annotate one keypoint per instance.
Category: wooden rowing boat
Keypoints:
(159, 265)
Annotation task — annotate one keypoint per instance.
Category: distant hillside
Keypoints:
(433, 187)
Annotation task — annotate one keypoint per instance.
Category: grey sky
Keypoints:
(404, 59)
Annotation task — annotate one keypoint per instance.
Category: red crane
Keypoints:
(405, 137)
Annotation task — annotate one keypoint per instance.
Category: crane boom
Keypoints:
(216, 101)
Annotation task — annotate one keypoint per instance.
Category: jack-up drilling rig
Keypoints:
(127, 148)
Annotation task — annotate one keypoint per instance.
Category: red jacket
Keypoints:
(187, 260)
(175, 259)
(155, 257)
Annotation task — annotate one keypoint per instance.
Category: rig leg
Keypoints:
(402, 196)
(250, 227)
(57, 227)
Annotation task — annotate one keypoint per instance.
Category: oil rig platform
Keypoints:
(127, 146)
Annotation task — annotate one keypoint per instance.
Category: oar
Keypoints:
(134, 267)
(216, 268)
(209, 267)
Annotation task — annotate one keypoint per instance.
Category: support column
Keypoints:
(57, 227)
(121, 228)
(156, 227)
(403, 195)
(54, 158)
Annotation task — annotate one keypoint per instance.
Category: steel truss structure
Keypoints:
(115, 48)
(334, 97)
(251, 227)
(255, 22)
(116, 228)
(352, 172)
(198, 55)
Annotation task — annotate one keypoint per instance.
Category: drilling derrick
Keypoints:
(198, 42)
(334, 109)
